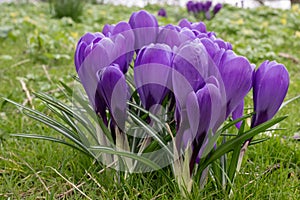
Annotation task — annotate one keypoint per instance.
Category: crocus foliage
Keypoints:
(203, 9)
(196, 77)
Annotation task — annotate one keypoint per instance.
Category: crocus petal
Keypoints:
(185, 23)
(191, 61)
(238, 113)
(211, 47)
(169, 35)
(108, 29)
(199, 26)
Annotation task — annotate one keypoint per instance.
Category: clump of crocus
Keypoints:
(196, 76)
(203, 10)
(162, 12)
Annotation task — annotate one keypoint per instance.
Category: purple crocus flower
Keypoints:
(92, 57)
(217, 8)
(236, 72)
(199, 6)
(145, 27)
(112, 91)
(152, 74)
(270, 85)
(162, 12)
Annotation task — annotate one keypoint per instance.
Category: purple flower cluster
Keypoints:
(184, 63)
(200, 9)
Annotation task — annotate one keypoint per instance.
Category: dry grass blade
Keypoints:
(47, 74)
(27, 93)
(63, 195)
(72, 184)
(98, 184)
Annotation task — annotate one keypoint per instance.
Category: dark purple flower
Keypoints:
(145, 27)
(152, 74)
(217, 8)
(199, 6)
(112, 90)
(270, 85)
(207, 6)
(162, 12)
(190, 6)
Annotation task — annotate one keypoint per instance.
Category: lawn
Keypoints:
(36, 52)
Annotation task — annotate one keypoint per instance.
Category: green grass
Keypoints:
(39, 50)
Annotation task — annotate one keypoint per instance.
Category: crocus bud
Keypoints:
(236, 72)
(151, 73)
(217, 8)
(270, 85)
(89, 39)
(162, 12)
(112, 88)
(145, 27)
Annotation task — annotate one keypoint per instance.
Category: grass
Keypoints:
(38, 50)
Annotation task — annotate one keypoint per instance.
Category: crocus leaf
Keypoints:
(231, 144)
(150, 131)
(47, 138)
